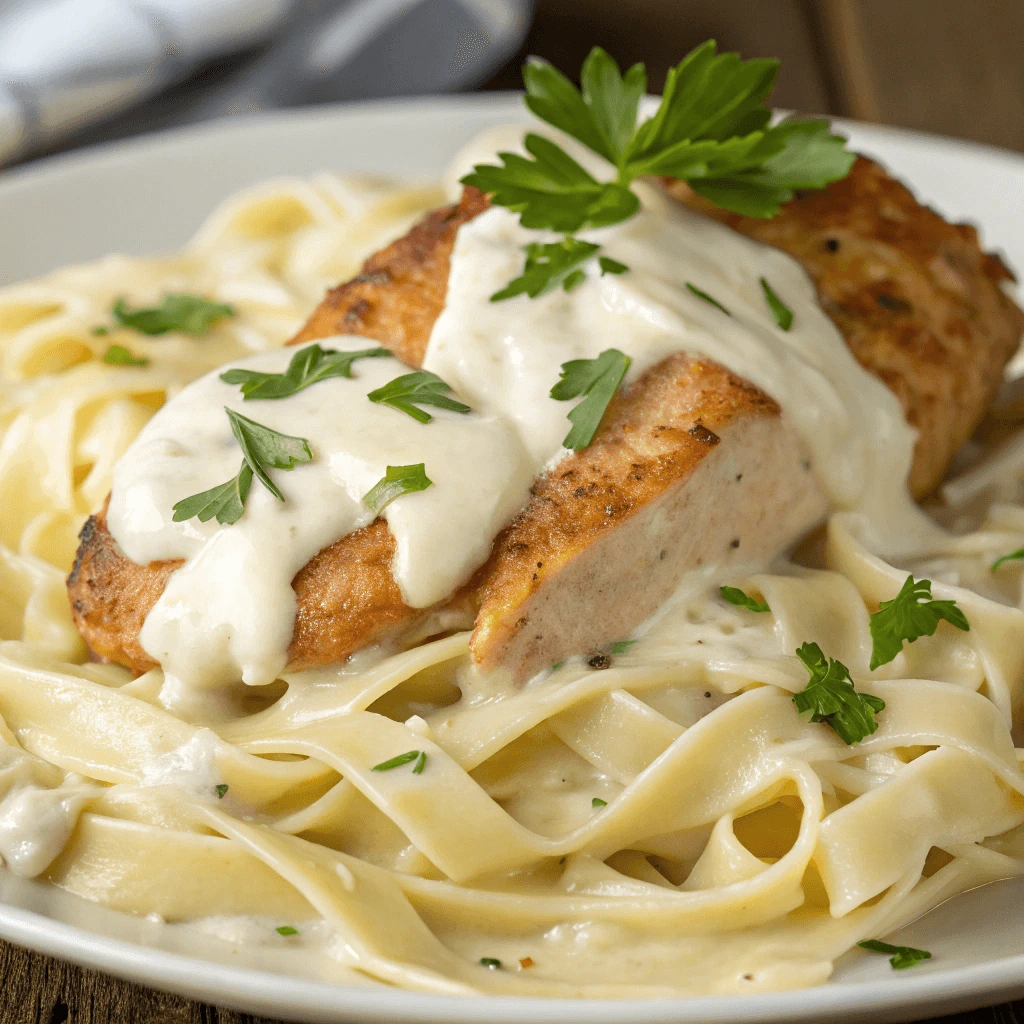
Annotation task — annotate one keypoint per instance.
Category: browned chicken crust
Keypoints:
(916, 298)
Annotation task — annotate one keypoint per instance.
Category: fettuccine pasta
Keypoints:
(665, 825)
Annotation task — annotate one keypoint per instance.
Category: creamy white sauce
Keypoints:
(229, 612)
(36, 823)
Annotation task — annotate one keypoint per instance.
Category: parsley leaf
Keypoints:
(610, 266)
(261, 447)
(603, 116)
(597, 380)
(489, 961)
(225, 501)
(548, 266)
(830, 697)
(264, 447)
(909, 615)
(598, 802)
(398, 761)
(621, 646)
(308, 366)
(737, 597)
(707, 298)
(902, 956)
(222, 790)
(397, 480)
(410, 390)
(118, 355)
(1011, 557)
(552, 190)
(286, 929)
(187, 314)
(780, 311)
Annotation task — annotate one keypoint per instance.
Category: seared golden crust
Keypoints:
(653, 435)
(916, 298)
(346, 597)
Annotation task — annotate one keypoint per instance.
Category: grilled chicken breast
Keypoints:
(690, 464)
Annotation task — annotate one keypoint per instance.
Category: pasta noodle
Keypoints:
(668, 825)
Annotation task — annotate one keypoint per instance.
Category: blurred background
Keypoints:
(75, 72)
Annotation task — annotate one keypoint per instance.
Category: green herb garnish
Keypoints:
(421, 763)
(780, 311)
(597, 380)
(621, 646)
(397, 480)
(737, 597)
(548, 266)
(909, 615)
(101, 330)
(610, 266)
(1011, 557)
(830, 697)
(118, 355)
(902, 957)
(222, 790)
(399, 760)
(489, 961)
(261, 447)
(707, 298)
(411, 390)
(187, 314)
(308, 366)
(286, 929)
(598, 802)
(711, 129)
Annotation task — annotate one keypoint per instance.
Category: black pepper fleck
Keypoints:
(832, 244)
(734, 543)
(600, 661)
(707, 693)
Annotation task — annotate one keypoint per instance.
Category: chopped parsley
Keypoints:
(712, 129)
(707, 298)
(737, 597)
(397, 480)
(399, 759)
(830, 697)
(548, 266)
(421, 763)
(286, 929)
(610, 266)
(597, 380)
(909, 615)
(308, 366)
(598, 802)
(261, 447)
(621, 646)
(780, 311)
(186, 314)
(411, 390)
(489, 961)
(118, 355)
(1013, 556)
(902, 957)
(222, 790)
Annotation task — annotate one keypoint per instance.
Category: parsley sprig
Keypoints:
(308, 366)
(411, 390)
(397, 480)
(262, 447)
(187, 314)
(910, 615)
(551, 265)
(118, 355)
(711, 130)
(830, 697)
(901, 957)
(1013, 556)
(597, 380)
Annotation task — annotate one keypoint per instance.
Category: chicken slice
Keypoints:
(688, 461)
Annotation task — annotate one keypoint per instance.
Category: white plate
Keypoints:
(149, 195)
